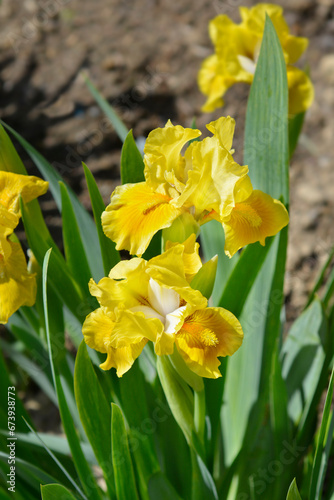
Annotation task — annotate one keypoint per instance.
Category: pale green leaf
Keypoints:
(110, 255)
(121, 460)
(293, 493)
(108, 110)
(325, 441)
(92, 403)
(132, 165)
(266, 153)
(56, 492)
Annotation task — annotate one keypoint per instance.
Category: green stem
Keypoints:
(199, 414)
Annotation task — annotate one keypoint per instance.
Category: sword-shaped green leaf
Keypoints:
(110, 255)
(75, 254)
(132, 165)
(266, 153)
(121, 459)
(293, 493)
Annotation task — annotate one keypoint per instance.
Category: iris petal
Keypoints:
(12, 185)
(162, 159)
(236, 52)
(301, 91)
(253, 220)
(135, 214)
(17, 286)
(206, 335)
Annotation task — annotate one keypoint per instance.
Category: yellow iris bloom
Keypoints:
(237, 47)
(17, 285)
(143, 301)
(204, 183)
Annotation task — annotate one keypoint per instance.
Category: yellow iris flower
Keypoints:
(143, 301)
(17, 286)
(204, 183)
(237, 47)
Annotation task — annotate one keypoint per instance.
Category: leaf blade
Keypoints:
(132, 165)
(108, 110)
(73, 246)
(266, 153)
(122, 464)
(110, 255)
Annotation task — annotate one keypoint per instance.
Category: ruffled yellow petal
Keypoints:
(254, 18)
(162, 156)
(12, 185)
(212, 179)
(212, 84)
(219, 27)
(301, 91)
(97, 329)
(123, 358)
(135, 214)
(17, 286)
(127, 284)
(8, 219)
(132, 327)
(223, 129)
(8, 222)
(128, 269)
(168, 270)
(231, 41)
(206, 335)
(191, 259)
(253, 220)
(294, 47)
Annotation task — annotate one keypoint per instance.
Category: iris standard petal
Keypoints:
(127, 284)
(167, 269)
(162, 155)
(212, 179)
(135, 214)
(223, 129)
(191, 260)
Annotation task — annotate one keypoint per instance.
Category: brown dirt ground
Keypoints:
(144, 56)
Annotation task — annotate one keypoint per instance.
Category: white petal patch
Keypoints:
(163, 300)
(247, 64)
(175, 320)
(149, 312)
